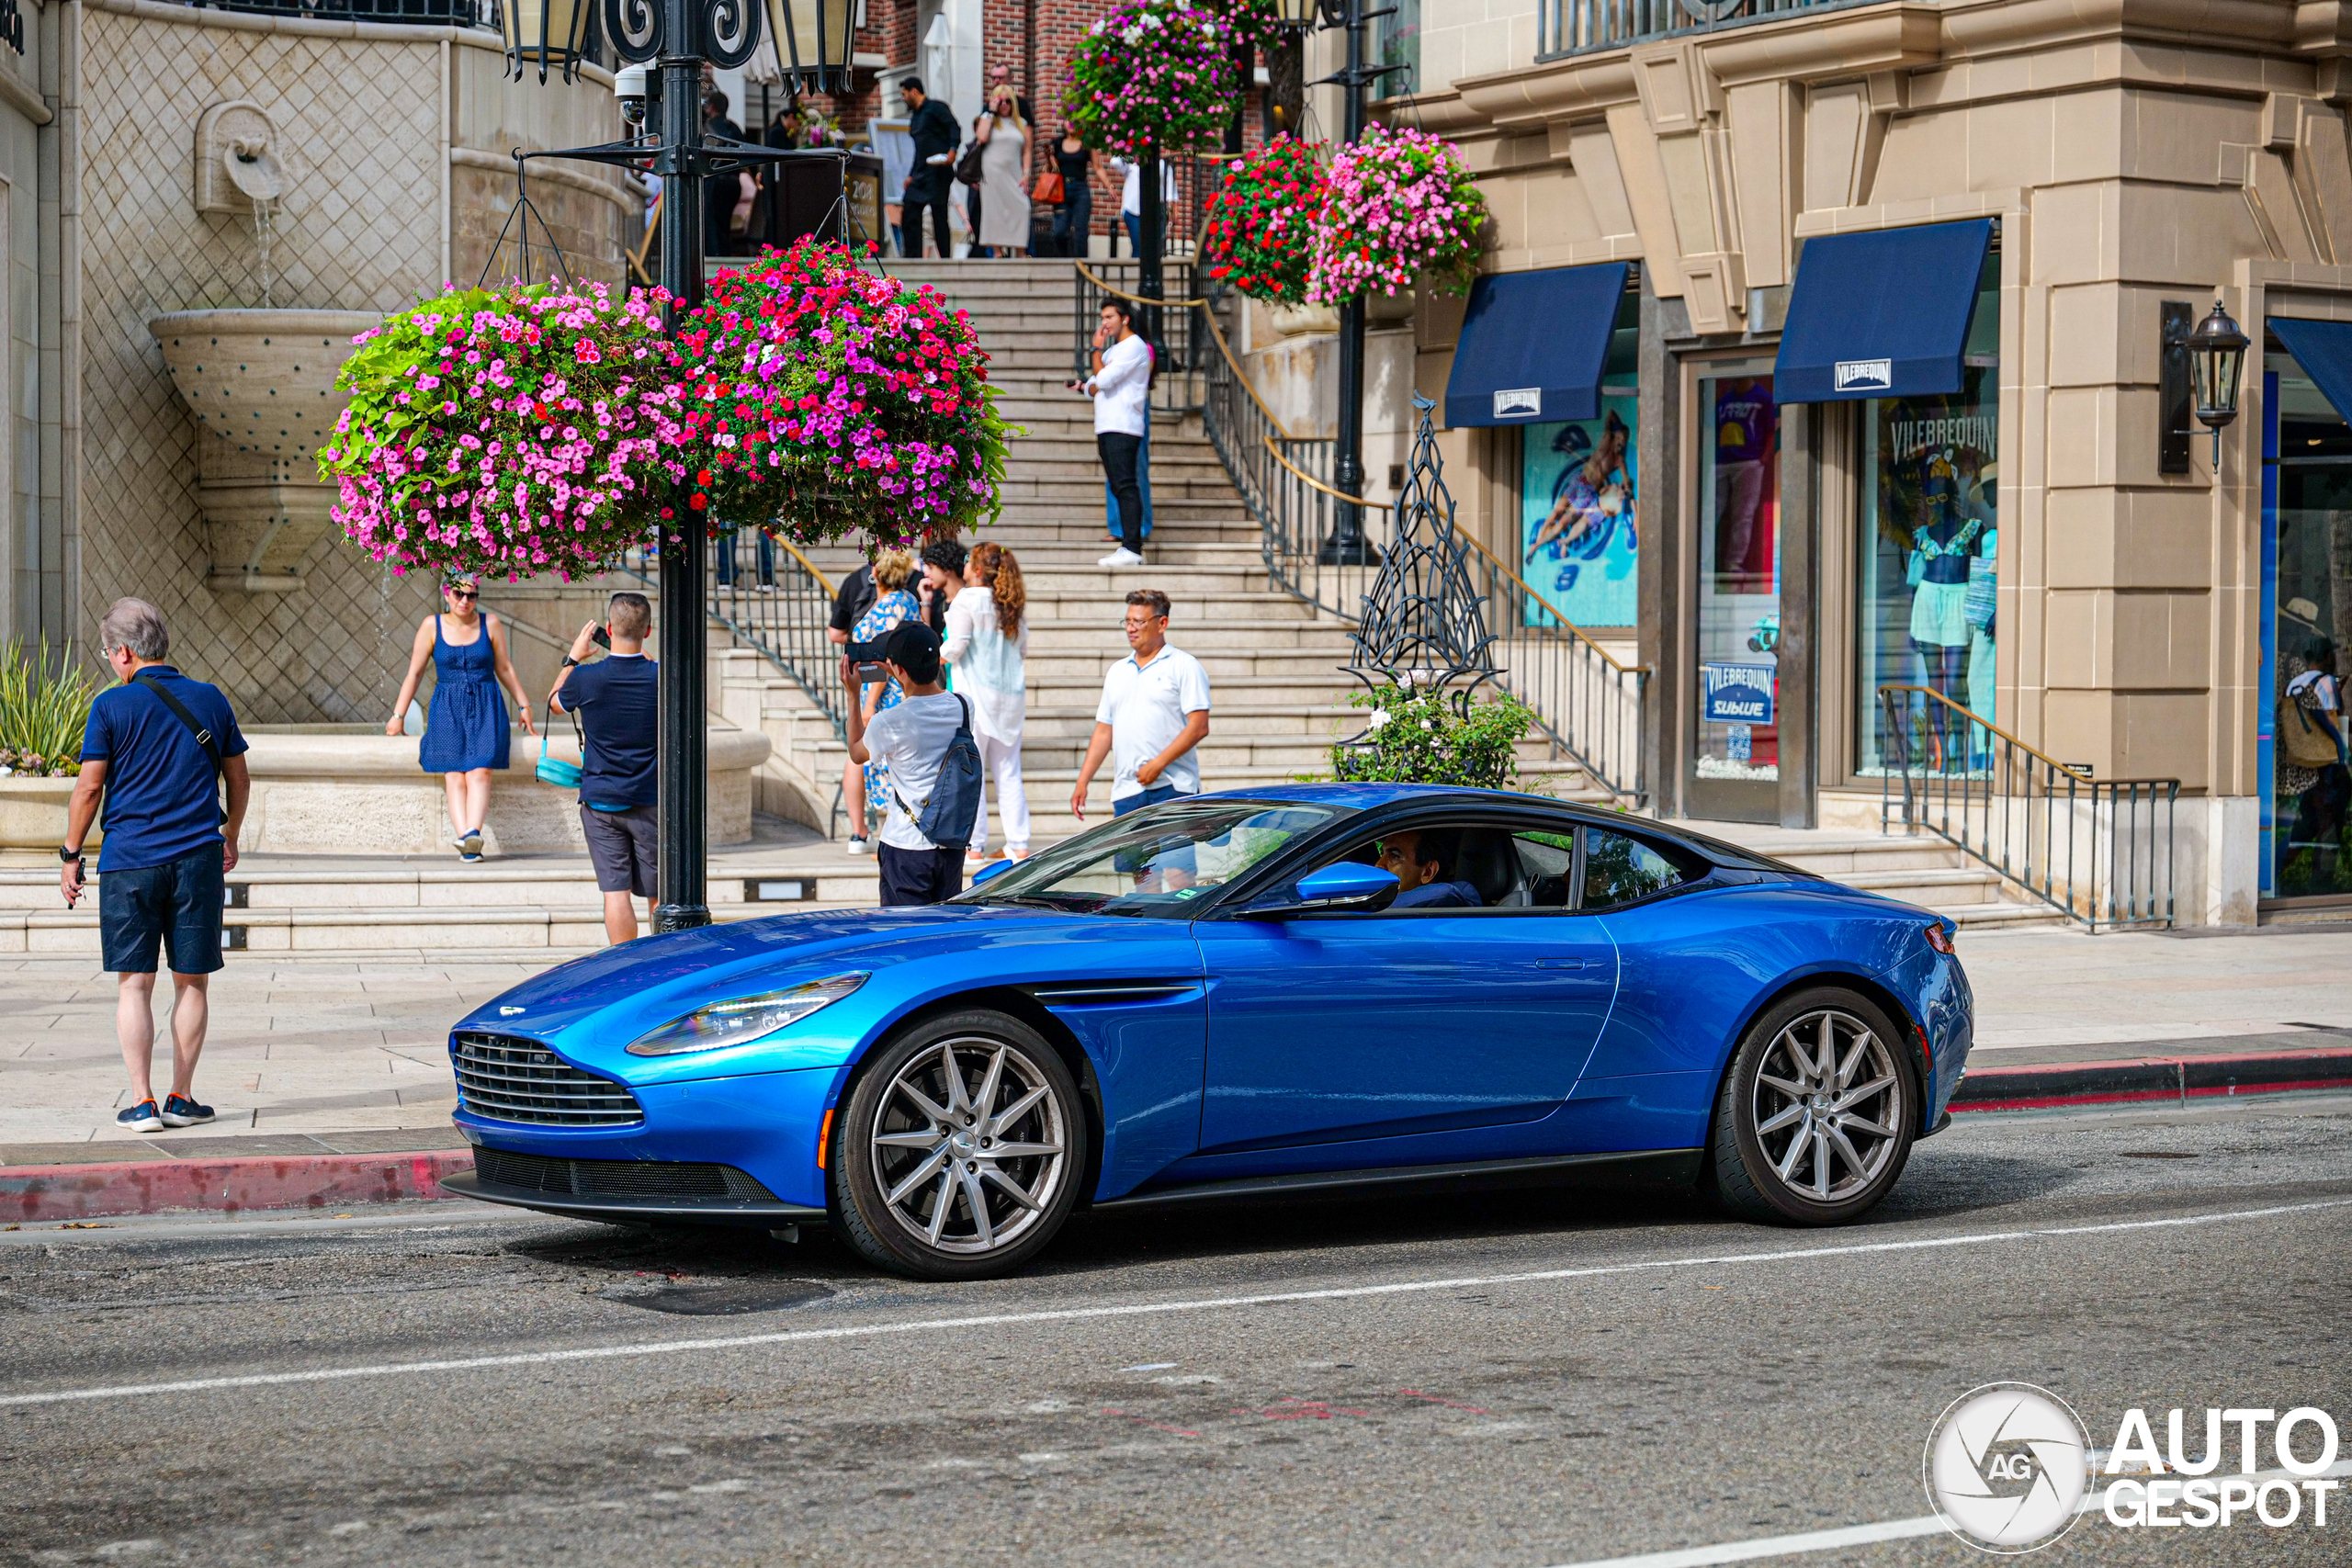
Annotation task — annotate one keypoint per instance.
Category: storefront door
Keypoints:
(1734, 751)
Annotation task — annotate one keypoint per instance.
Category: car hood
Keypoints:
(639, 985)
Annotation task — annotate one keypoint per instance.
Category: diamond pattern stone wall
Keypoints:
(360, 229)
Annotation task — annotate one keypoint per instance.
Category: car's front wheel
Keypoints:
(959, 1154)
(1816, 1120)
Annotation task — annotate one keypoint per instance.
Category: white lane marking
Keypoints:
(1864, 1535)
(1148, 1309)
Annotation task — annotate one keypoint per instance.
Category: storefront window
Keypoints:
(1928, 556)
(1579, 533)
(2307, 594)
(1739, 577)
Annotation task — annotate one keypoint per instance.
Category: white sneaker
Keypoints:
(861, 846)
(1121, 556)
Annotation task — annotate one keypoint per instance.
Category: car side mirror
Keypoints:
(1343, 885)
(995, 868)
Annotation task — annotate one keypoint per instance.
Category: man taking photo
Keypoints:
(616, 702)
(912, 740)
(157, 748)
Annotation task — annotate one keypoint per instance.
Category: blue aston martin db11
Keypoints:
(1308, 987)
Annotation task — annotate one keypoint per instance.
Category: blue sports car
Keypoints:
(1299, 988)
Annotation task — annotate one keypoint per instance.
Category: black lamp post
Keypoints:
(813, 42)
(1347, 546)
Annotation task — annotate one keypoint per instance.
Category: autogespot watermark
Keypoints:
(2007, 1466)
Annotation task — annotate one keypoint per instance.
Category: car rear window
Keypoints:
(1620, 868)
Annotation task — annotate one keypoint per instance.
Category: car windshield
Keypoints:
(1165, 861)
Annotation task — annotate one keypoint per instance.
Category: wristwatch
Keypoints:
(68, 855)
(570, 662)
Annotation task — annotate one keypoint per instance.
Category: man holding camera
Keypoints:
(617, 701)
(912, 740)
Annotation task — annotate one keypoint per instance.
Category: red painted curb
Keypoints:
(32, 1193)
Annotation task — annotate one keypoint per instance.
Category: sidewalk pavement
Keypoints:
(342, 1061)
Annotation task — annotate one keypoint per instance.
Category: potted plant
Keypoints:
(44, 709)
(1157, 76)
(518, 430)
(1400, 205)
(1261, 236)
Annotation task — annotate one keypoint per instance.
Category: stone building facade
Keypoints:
(388, 146)
(2135, 610)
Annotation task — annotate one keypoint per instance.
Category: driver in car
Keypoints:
(1420, 862)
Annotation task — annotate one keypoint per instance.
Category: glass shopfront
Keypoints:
(2307, 619)
(1736, 755)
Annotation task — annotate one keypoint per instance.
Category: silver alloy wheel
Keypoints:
(1827, 1106)
(968, 1146)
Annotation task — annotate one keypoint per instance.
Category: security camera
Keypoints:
(628, 86)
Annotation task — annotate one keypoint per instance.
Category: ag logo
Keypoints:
(2006, 1466)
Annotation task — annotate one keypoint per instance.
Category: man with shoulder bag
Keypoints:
(157, 749)
(934, 763)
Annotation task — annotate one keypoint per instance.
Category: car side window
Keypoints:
(1619, 868)
(1548, 861)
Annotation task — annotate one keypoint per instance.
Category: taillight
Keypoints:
(1940, 938)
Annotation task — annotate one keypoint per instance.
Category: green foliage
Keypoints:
(1415, 736)
(44, 708)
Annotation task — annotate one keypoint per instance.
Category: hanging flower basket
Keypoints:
(824, 398)
(1402, 205)
(1261, 224)
(512, 431)
(1155, 73)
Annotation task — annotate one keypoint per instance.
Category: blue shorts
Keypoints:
(176, 906)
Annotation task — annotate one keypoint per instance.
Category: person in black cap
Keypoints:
(911, 740)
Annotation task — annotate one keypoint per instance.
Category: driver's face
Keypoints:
(1401, 857)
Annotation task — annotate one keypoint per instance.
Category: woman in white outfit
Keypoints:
(987, 632)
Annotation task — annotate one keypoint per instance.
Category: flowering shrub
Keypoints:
(1401, 203)
(1416, 735)
(826, 397)
(1260, 225)
(1157, 74)
(517, 429)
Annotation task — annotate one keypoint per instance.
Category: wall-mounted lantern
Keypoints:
(2201, 371)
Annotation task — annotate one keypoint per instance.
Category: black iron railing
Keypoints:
(414, 13)
(1573, 27)
(2098, 850)
(766, 592)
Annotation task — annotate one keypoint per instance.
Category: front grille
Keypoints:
(616, 1178)
(520, 1081)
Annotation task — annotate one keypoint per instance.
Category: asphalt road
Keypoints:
(1516, 1381)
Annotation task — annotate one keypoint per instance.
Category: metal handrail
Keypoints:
(1553, 610)
(1319, 484)
(1099, 282)
(2097, 851)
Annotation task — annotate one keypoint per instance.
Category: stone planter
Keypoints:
(261, 384)
(32, 813)
(357, 793)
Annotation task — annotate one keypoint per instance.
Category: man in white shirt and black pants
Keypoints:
(911, 740)
(1155, 711)
(1122, 393)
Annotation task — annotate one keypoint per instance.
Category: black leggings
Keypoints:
(1119, 449)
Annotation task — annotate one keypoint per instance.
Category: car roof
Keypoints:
(1356, 798)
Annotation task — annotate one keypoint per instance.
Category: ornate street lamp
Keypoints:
(547, 33)
(2216, 361)
(675, 37)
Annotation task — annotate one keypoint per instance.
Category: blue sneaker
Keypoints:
(140, 1118)
(179, 1111)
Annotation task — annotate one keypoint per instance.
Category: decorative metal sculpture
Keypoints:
(1424, 625)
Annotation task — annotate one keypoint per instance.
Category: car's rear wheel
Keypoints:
(1816, 1120)
(959, 1154)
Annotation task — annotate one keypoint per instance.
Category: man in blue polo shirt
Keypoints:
(157, 748)
(617, 700)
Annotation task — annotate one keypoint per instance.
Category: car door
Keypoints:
(1407, 1036)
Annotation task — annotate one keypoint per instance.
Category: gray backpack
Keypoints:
(949, 813)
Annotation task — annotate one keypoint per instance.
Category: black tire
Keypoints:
(1792, 1158)
(985, 1230)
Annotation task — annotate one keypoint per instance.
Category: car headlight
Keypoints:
(744, 1019)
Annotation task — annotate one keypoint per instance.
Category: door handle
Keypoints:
(1559, 964)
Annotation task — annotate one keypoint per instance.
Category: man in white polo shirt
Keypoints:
(1155, 710)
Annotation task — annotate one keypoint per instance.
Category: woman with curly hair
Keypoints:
(987, 632)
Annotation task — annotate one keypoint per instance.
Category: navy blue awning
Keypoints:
(1534, 345)
(2325, 351)
(1883, 315)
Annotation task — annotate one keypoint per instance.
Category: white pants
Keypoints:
(998, 716)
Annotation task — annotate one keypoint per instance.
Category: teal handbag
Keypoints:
(555, 770)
